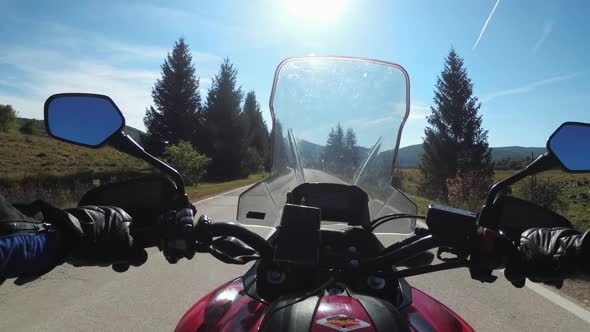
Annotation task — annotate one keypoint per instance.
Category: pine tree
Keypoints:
(351, 148)
(335, 152)
(280, 154)
(225, 130)
(176, 113)
(454, 143)
(256, 131)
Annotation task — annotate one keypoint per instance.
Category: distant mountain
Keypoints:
(310, 151)
(409, 155)
(134, 133)
(516, 152)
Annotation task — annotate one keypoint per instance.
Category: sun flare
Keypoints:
(320, 11)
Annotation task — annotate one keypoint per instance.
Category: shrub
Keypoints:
(252, 162)
(7, 118)
(187, 161)
(29, 128)
(467, 191)
(543, 193)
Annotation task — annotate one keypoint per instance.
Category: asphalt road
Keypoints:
(154, 296)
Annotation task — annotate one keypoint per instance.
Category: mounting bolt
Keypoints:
(275, 277)
(376, 282)
(352, 250)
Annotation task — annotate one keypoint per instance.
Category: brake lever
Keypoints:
(459, 254)
(232, 246)
(239, 260)
(425, 269)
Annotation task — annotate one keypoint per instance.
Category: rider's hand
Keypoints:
(178, 240)
(549, 255)
(98, 236)
(92, 235)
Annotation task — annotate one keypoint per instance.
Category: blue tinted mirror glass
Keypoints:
(82, 119)
(571, 145)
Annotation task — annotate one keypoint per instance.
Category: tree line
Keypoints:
(340, 155)
(223, 137)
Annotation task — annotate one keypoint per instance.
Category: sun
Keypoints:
(318, 11)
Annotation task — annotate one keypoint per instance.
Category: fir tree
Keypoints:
(225, 132)
(256, 131)
(175, 115)
(351, 148)
(454, 143)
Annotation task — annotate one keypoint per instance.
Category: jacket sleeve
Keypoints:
(27, 254)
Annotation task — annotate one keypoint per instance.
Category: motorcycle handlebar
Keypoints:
(486, 244)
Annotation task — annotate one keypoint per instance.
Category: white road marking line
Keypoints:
(223, 194)
(559, 300)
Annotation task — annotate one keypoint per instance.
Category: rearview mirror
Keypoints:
(570, 143)
(567, 147)
(84, 119)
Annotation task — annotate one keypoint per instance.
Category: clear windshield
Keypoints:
(336, 120)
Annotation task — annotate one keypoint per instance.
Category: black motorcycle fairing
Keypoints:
(144, 199)
(383, 314)
(516, 215)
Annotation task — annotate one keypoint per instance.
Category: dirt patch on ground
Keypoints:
(579, 290)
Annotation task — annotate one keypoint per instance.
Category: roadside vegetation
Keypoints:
(207, 189)
(456, 168)
(221, 140)
(565, 193)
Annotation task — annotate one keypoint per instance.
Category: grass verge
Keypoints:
(208, 189)
(421, 203)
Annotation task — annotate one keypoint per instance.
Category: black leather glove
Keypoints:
(94, 235)
(549, 255)
(100, 236)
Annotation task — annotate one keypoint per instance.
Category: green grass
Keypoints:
(32, 165)
(25, 156)
(208, 189)
(421, 202)
(578, 211)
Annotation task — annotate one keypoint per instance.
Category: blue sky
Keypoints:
(529, 65)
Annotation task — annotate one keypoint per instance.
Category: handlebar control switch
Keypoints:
(451, 226)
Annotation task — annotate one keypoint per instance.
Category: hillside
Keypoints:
(408, 156)
(39, 155)
(40, 125)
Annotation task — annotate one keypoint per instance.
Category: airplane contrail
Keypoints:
(485, 25)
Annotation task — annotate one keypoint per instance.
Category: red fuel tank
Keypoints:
(228, 308)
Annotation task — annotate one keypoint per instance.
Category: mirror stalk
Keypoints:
(544, 162)
(126, 144)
